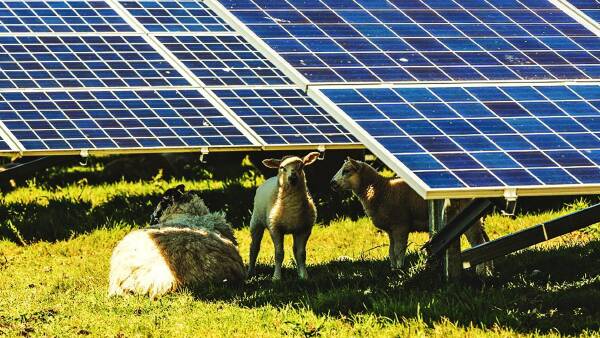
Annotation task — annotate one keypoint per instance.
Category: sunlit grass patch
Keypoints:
(56, 286)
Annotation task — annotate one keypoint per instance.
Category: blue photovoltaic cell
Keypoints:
(4, 146)
(284, 116)
(176, 16)
(224, 60)
(398, 40)
(590, 8)
(82, 61)
(116, 119)
(458, 137)
(59, 17)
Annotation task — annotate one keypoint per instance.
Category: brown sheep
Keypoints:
(395, 208)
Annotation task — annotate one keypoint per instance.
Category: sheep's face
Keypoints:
(348, 177)
(169, 198)
(291, 168)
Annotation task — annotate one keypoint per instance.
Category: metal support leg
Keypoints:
(450, 262)
(457, 226)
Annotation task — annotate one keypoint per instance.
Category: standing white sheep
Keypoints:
(188, 246)
(283, 205)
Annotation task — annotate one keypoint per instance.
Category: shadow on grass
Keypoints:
(564, 294)
(62, 218)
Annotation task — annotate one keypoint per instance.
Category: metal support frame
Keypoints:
(531, 236)
(450, 262)
(457, 226)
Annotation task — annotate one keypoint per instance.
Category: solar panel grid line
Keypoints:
(183, 16)
(258, 43)
(22, 17)
(119, 121)
(577, 164)
(544, 69)
(589, 17)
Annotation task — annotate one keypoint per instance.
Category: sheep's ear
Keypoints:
(353, 162)
(272, 163)
(311, 158)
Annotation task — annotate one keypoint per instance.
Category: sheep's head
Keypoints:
(348, 177)
(291, 168)
(170, 197)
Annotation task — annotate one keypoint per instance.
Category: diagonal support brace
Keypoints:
(27, 167)
(457, 226)
(530, 236)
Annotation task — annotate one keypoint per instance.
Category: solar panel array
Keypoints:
(116, 119)
(220, 58)
(397, 41)
(506, 110)
(453, 137)
(83, 61)
(224, 60)
(143, 73)
(284, 116)
(516, 99)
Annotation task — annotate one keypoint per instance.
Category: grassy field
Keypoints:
(57, 234)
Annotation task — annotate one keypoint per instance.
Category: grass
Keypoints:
(56, 284)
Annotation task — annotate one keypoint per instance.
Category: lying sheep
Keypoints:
(395, 208)
(188, 246)
(284, 206)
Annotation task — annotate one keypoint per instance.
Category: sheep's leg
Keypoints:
(476, 235)
(392, 250)
(277, 238)
(256, 233)
(300, 241)
(400, 243)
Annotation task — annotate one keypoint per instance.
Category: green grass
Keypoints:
(58, 287)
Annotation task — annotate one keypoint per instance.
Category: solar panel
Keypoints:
(590, 8)
(60, 17)
(477, 139)
(176, 16)
(223, 60)
(330, 41)
(83, 61)
(285, 116)
(117, 120)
